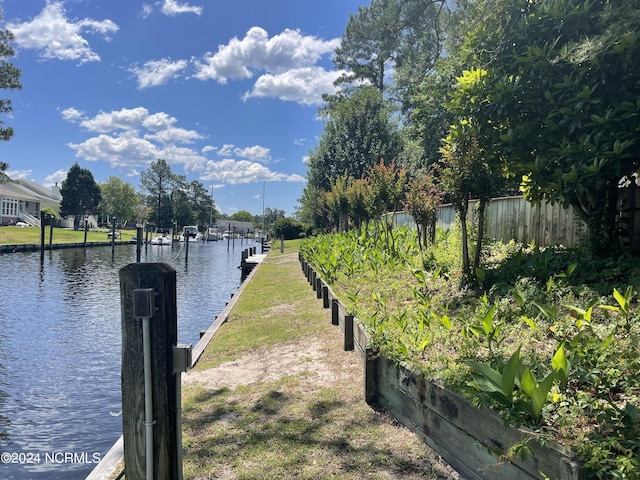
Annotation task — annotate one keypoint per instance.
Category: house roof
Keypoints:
(13, 190)
(37, 189)
(235, 224)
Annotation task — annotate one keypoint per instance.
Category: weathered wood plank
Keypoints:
(164, 335)
(416, 398)
(110, 463)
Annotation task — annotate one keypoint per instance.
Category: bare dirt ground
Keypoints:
(268, 366)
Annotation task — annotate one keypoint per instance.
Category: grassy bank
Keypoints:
(31, 236)
(275, 395)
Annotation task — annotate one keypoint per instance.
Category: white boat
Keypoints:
(163, 240)
(191, 233)
(213, 234)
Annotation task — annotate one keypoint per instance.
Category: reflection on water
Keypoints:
(60, 348)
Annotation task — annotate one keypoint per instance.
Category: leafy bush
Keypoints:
(288, 228)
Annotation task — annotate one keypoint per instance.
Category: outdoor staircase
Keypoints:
(28, 218)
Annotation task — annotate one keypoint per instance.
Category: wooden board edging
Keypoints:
(464, 434)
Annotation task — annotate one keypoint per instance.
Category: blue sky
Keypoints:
(227, 92)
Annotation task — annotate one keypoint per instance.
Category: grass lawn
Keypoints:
(31, 235)
(276, 396)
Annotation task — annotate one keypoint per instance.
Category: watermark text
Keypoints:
(35, 458)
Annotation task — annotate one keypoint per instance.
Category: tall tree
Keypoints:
(202, 204)
(400, 36)
(9, 79)
(359, 133)
(160, 182)
(80, 193)
(242, 216)
(118, 199)
(478, 135)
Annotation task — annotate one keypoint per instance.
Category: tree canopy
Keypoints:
(536, 95)
(160, 182)
(9, 79)
(358, 134)
(118, 199)
(80, 192)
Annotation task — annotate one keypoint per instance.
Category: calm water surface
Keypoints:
(60, 347)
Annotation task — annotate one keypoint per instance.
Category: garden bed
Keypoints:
(474, 441)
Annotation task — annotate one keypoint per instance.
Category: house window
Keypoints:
(9, 207)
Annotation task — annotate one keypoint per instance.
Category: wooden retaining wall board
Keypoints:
(464, 435)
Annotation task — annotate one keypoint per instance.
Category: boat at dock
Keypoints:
(191, 233)
(161, 240)
(213, 234)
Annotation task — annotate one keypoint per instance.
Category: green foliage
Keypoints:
(242, 216)
(9, 79)
(80, 192)
(118, 199)
(288, 228)
(359, 133)
(574, 379)
(159, 182)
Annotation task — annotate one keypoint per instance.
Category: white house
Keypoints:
(23, 201)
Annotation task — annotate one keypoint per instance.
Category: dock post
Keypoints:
(186, 246)
(113, 237)
(138, 242)
(41, 236)
(50, 231)
(155, 299)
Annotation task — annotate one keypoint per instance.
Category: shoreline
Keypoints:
(31, 247)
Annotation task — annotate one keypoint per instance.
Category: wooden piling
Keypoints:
(41, 236)
(164, 335)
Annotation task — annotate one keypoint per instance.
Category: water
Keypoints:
(60, 347)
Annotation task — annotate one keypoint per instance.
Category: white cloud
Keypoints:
(256, 153)
(256, 51)
(158, 72)
(125, 119)
(117, 150)
(159, 121)
(243, 171)
(56, 37)
(56, 177)
(302, 85)
(172, 7)
(146, 10)
(173, 135)
(226, 150)
(132, 137)
(71, 114)
(18, 174)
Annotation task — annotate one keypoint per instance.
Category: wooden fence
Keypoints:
(513, 218)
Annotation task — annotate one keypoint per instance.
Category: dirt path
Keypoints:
(295, 409)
